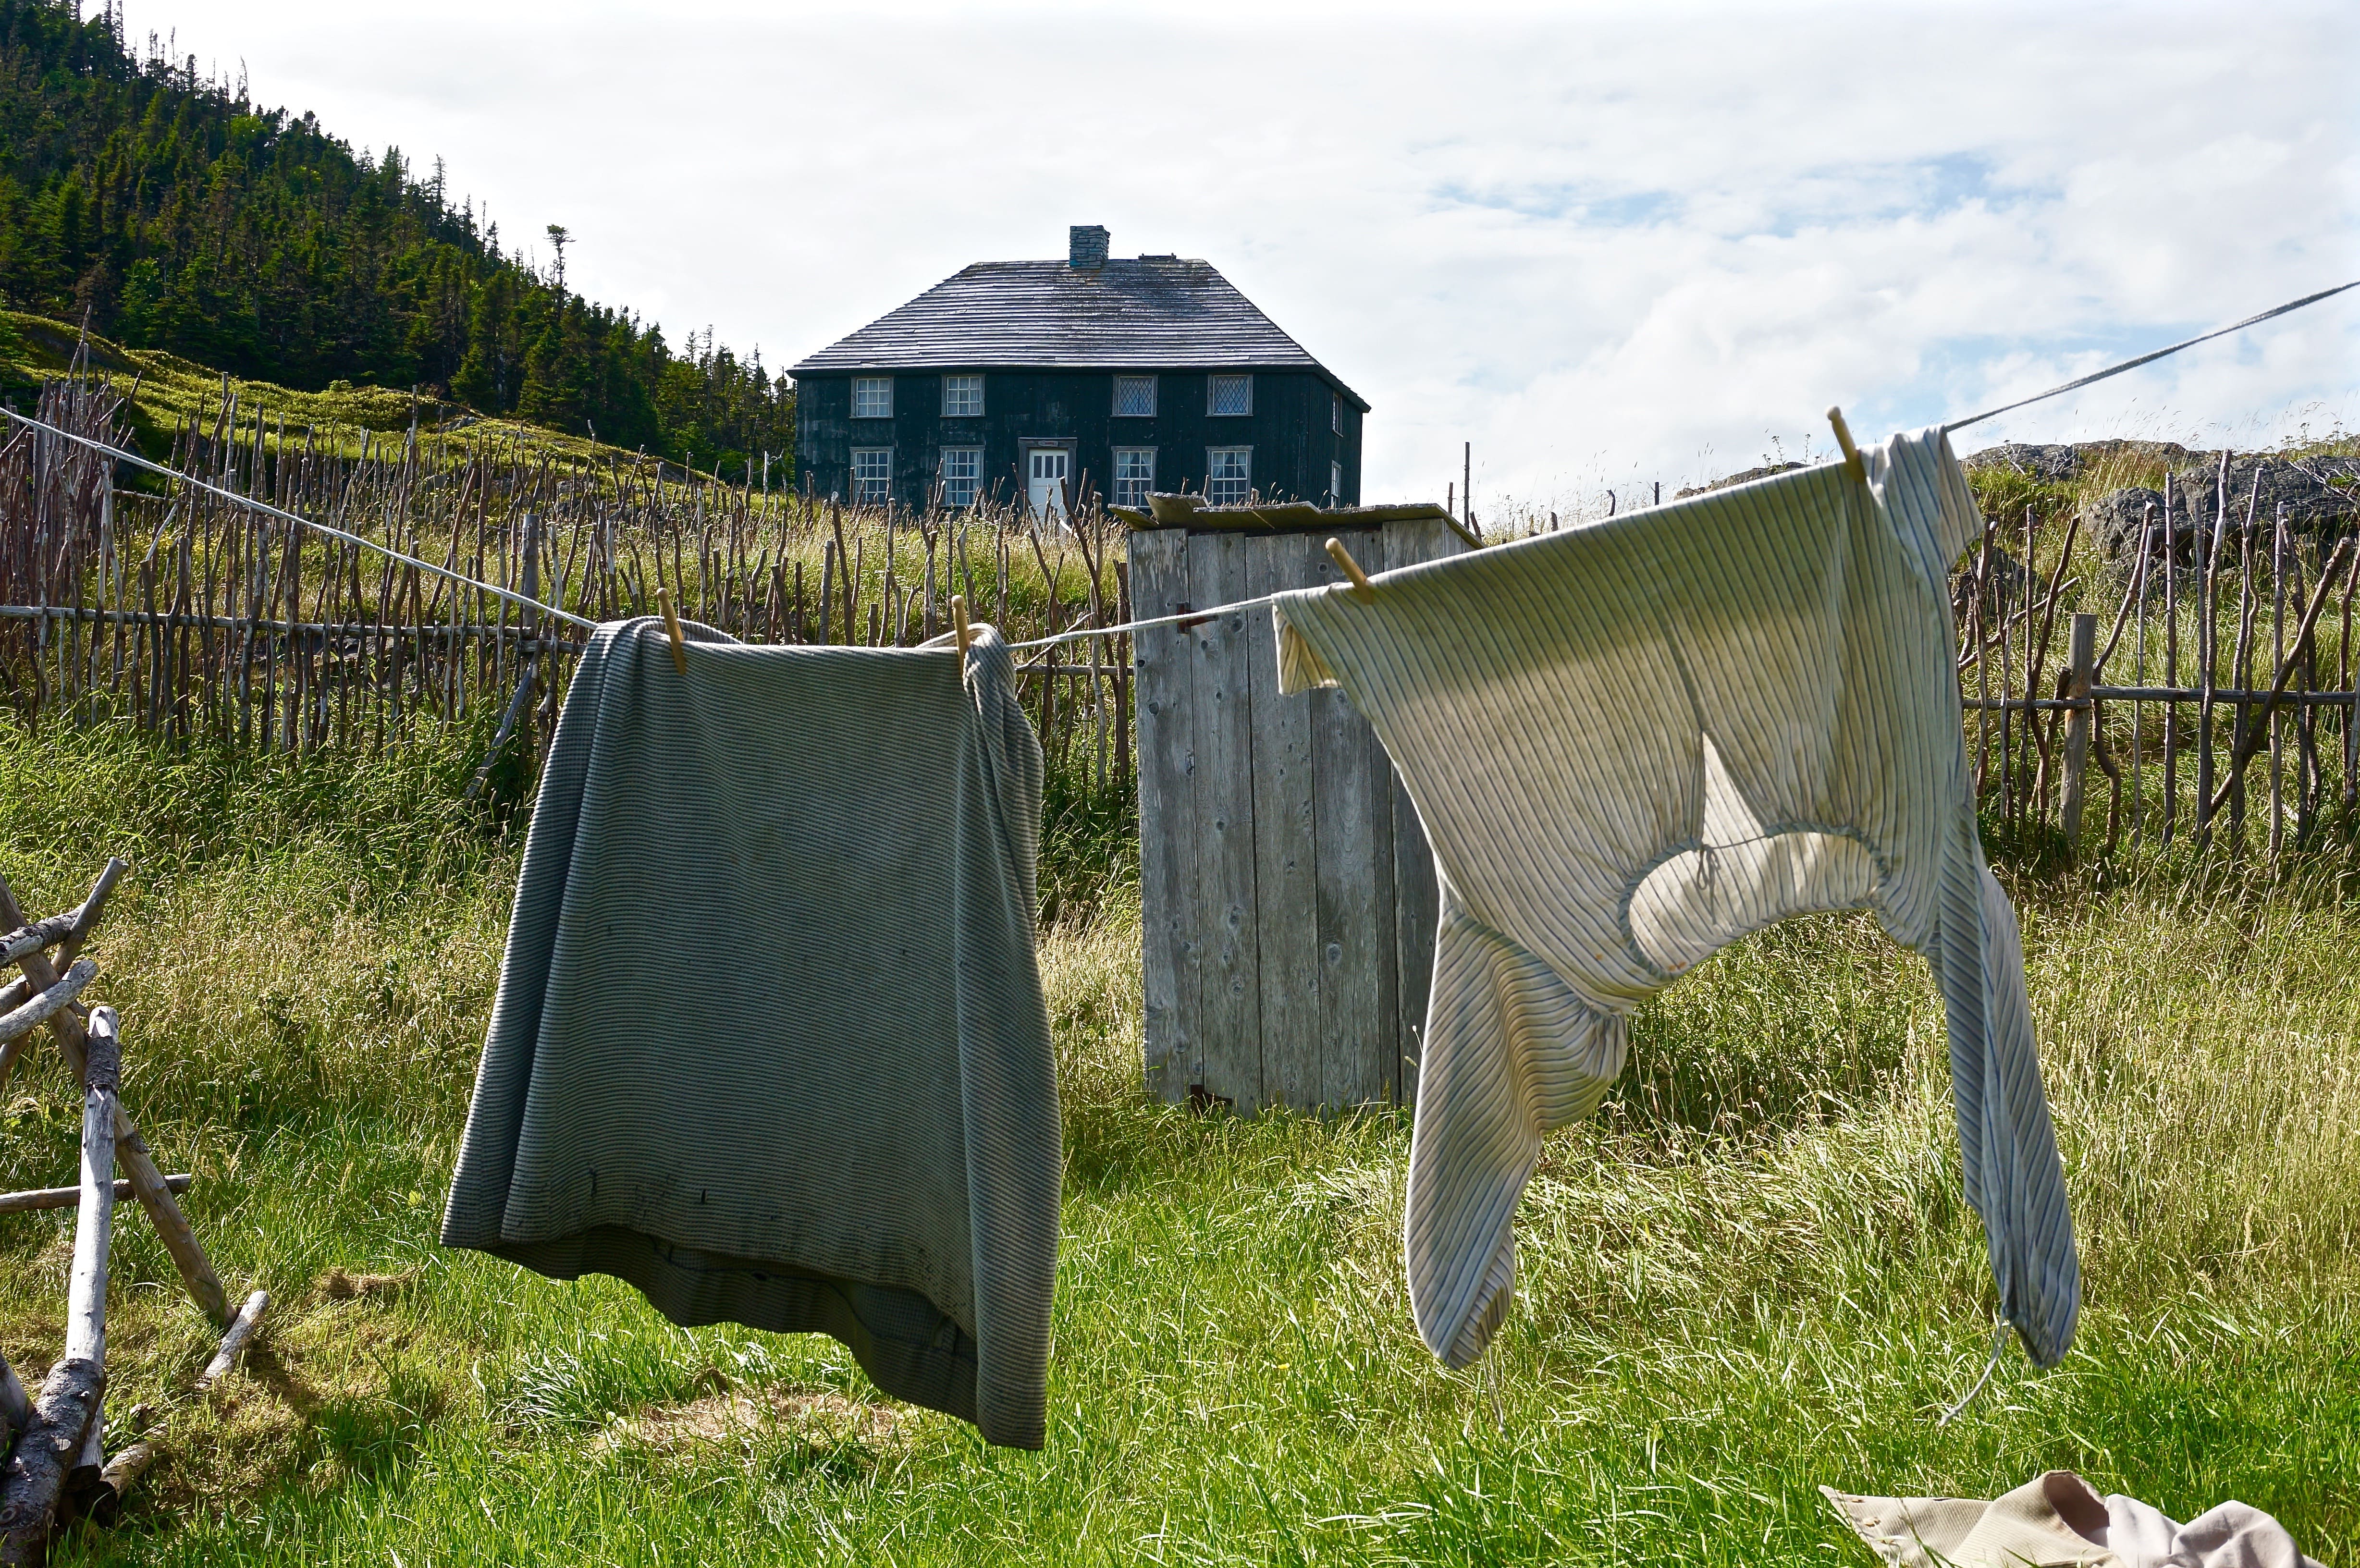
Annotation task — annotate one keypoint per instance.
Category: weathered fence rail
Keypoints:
(194, 614)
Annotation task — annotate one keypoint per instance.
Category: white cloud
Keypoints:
(1607, 243)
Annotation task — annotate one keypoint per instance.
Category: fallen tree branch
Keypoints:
(36, 1471)
(40, 1198)
(131, 1149)
(101, 1499)
(24, 1020)
(233, 1343)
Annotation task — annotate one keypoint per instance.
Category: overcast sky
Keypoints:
(1607, 243)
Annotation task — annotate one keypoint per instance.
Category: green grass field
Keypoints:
(1752, 1274)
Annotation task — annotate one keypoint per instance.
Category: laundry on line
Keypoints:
(821, 1097)
(1633, 742)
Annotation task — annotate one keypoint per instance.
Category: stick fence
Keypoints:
(200, 617)
(2205, 670)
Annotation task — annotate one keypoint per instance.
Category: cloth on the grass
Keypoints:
(770, 1041)
(2057, 1522)
(1635, 741)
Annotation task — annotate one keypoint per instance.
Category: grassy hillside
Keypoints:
(1752, 1274)
(176, 212)
(167, 390)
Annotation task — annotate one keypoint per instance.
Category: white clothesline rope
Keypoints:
(1190, 616)
(1185, 617)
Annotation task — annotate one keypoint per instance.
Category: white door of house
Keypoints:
(1051, 469)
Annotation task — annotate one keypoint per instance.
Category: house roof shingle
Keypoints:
(1158, 312)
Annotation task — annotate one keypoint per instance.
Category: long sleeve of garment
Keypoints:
(770, 1041)
(1634, 741)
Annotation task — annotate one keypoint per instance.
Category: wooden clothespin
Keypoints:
(1843, 439)
(1362, 589)
(958, 620)
(672, 630)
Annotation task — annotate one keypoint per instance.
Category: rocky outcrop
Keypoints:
(1748, 477)
(2320, 496)
(2062, 465)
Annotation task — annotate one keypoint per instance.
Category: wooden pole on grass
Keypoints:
(233, 1343)
(130, 1150)
(80, 925)
(62, 1416)
(16, 1405)
(66, 1197)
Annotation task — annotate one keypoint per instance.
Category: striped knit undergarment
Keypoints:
(1633, 742)
(770, 1041)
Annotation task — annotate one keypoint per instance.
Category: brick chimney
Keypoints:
(1086, 246)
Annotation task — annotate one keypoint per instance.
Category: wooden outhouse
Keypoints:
(1289, 897)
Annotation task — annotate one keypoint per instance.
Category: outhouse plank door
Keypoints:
(1167, 751)
(1418, 894)
(1229, 982)
(1285, 841)
(1288, 896)
(1359, 1053)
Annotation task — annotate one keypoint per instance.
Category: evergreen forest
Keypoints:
(171, 212)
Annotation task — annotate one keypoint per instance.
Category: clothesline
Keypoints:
(1080, 635)
(1949, 425)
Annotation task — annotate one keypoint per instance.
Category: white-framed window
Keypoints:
(1335, 483)
(961, 397)
(1134, 397)
(872, 397)
(1228, 395)
(1336, 412)
(872, 475)
(962, 472)
(1134, 474)
(1228, 475)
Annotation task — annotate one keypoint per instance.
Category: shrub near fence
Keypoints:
(200, 617)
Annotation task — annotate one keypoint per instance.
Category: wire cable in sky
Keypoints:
(2150, 358)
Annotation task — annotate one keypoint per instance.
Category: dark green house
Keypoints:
(1050, 380)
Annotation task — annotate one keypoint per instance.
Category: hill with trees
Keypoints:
(171, 212)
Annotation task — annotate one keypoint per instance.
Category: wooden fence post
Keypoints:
(2079, 679)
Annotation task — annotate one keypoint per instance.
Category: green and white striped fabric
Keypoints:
(1634, 741)
(770, 1041)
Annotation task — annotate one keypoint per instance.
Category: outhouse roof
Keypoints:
(1156, 312)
